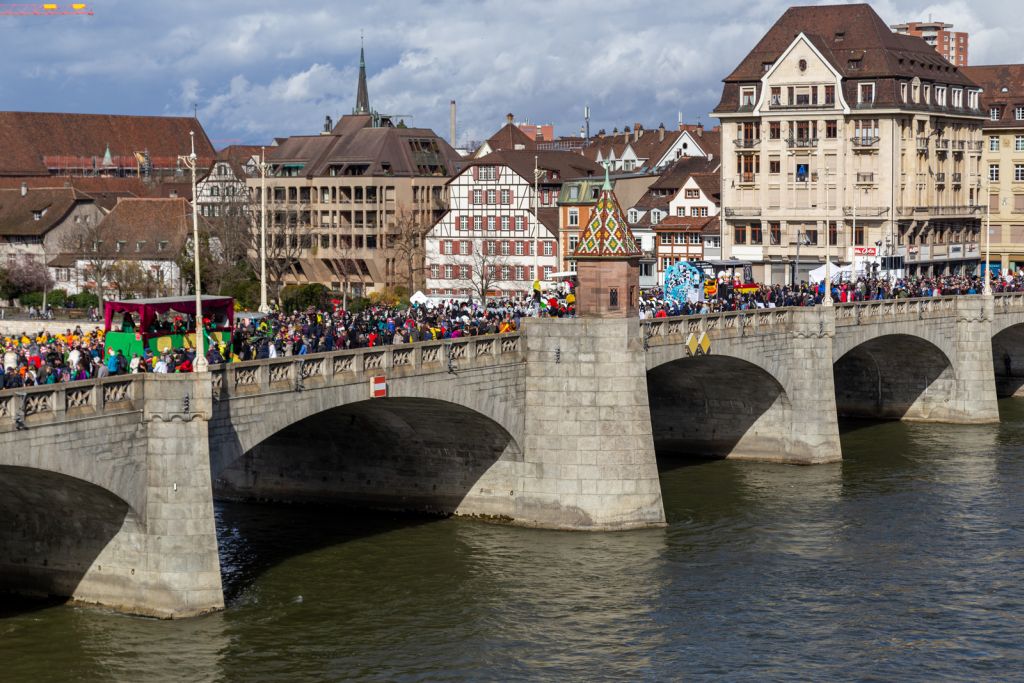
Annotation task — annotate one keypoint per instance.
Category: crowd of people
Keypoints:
(77, 354)
(656, 303)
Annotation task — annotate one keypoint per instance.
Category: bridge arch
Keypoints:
(719, 406)
(894, 376)
(1008, 359)
(446, 443)
(56, 528)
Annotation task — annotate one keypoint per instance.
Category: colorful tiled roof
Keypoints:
(607, 234)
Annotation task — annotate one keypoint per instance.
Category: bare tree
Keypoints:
(480, 270)
(407, 241)
(87, 246)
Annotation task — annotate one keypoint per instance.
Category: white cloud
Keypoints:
(264, 69)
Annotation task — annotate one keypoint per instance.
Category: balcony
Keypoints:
(957, 178)
(742, 211)
(777, 105)
(942, 145)
(959, 145)
(865, 178)
(968, 210)
(922, 145)
(802, 143)
(865, 211)
(974, 145)
(746, 178)
(747, 143)
(865, 141)
(940, 178)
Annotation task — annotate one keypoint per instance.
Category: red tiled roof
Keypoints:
(143, 223)
(510, 137)
(18, 212)
(33, 142)
(846, 35)
(1003, 86)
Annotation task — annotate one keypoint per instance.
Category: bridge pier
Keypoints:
(163, 561)
(588, 460)
(107, 494)
(974, 397)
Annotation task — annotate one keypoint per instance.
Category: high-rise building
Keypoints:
(950, 44)
(851, 141)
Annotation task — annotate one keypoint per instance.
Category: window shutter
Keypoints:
(470, 222)
(497, 173)
(469, 248)
(469, 272)
(455, 247)
(1018, 202)
(476, 174)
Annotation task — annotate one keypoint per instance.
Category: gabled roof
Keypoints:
(143, 224)
(710, 184)
(237, 156)
(35, 142)
(682, 168)
(510, 137)
(683, 223)
(1004, 86)
(648, 144)
(565, 164)
(18, 212)
(607, 234)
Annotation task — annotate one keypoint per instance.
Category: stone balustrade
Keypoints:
(341, 367)
(73, 400)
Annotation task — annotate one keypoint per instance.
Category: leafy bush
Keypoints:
(301, 297)
(83, 300)
(54, 299)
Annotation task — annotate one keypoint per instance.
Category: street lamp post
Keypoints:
(988, 243)
(191, 161)
(264, 308)
(827, 299)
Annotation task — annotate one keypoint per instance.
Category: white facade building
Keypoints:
(491, 240)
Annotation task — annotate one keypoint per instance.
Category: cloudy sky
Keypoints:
(257, 69)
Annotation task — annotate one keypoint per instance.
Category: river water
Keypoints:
(904, 562)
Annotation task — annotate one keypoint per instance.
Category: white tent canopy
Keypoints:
(836, 272)
(418, 298)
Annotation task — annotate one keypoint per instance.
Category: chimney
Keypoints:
(509, 118)
(661, 133)
(451, 123)
(700, 130)
(600, 134)
(328, 124)
(24, 189)
(638, 131)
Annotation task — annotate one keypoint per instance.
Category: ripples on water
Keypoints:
(901, 563)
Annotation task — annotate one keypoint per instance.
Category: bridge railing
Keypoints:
(740, 321)
(866, 312)
(289, 373)
(23, 407)
(1009, 302)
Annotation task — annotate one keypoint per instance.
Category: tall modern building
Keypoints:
(950, 44)
(847, 139)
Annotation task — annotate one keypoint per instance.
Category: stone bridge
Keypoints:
(107, 486)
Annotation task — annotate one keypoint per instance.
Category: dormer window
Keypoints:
(747, 94)
(37, 215)
(994, 113)
(854, 64)
(767, 66)
(903, 92)
(161, 245)
(120, 245)
(866, 93)
(139, 245)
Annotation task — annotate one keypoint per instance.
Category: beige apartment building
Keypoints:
(849, 140)
(1003, 159)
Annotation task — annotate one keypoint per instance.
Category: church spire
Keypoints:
(362, 95)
